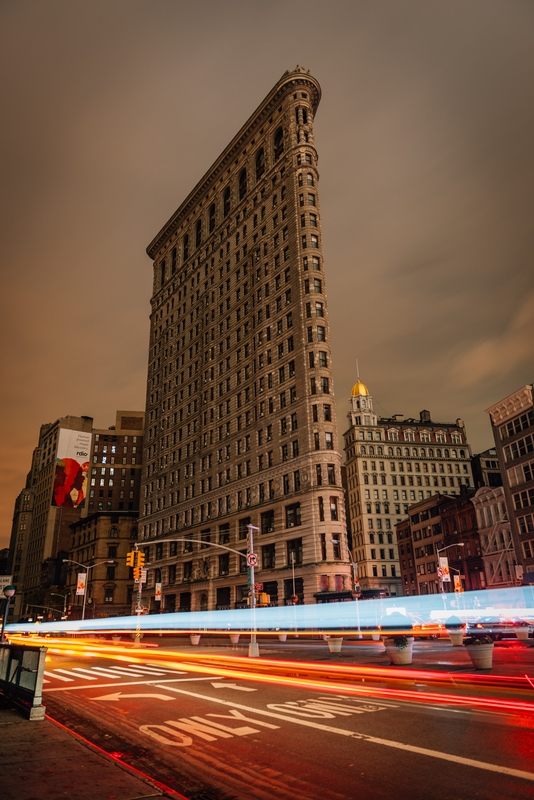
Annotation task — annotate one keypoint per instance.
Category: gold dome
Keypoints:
(359, 388)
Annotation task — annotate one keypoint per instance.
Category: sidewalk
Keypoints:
(40, 760)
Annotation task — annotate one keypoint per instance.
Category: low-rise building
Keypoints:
(512, 421)
(486, 470)
(498, 552)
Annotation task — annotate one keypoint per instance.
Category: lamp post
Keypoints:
(9, 591)
(253, 649)
(86, 567)
(442, 550)
(64, 597)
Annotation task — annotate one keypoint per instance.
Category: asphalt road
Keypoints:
(214, 738)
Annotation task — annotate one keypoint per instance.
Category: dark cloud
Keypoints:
(113, 111)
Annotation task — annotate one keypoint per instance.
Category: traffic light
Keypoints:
(141, 558)
(137, 573)
(130, 558)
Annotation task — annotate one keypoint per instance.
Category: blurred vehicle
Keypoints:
(496, 627)
(419, 627)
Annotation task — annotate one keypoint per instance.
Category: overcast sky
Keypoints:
(112, 111)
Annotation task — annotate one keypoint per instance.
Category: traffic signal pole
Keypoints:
(253, 649)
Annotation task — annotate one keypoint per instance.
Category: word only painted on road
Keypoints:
(180, 733)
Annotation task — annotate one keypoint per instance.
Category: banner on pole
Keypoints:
(80, 585)
(444, 565)
(157, 595)
(457, 584)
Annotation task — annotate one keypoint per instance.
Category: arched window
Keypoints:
(278, 143)
(198, 233)
(398, 452)
(390, 451)
(260, 163)
(242, 183)
(212, 218)
(406, 452)
(363, 450)
(226, 202)
(185, 247)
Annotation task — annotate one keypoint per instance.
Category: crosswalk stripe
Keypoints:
(59, 677)
(121, 671)
(150, 671)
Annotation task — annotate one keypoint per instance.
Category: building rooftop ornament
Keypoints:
(359, 388)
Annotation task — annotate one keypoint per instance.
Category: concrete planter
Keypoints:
(522, 633)
(334, 643)
(481, 655)
(375, 637)
(195, 638)
(399, 656)
(282, 637)
(234, 638)
(456, 637)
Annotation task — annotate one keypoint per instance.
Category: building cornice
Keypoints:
(511, 405)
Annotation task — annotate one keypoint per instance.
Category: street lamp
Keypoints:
(253, 649)
(64, 596)
(9, 591)
(441, 550)
(86, 568)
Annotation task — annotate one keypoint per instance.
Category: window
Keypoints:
(336, 545)
(198, 233)
(260, 163)
(267, 521)
(224, 564)
(319, 310)
(110, 574)
(314, 243)
(108, 595)
(242, 183)
(321, 333)
(185, 247)
(226, 202)
(329, 441)
(294, 551)
(325, 386)
(331, 474)
(278, 143)
(268, 556)
(327, 412)
(323, 360)
(293, 515)
(333, 509)
(212, 218)
(311, 199)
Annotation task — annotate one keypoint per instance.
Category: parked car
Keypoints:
(496, 627)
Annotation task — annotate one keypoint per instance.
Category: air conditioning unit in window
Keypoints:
(269, 530)
(290, 524)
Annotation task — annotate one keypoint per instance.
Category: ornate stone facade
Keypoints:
(241, 425)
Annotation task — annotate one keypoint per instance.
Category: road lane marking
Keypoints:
(124, 671)
(121, 696)
(124, 683)
(220, 685)
(469, 762)
(206, 729)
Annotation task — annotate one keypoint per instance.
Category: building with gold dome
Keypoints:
(391, 463)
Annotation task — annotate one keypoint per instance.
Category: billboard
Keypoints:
(72, 466)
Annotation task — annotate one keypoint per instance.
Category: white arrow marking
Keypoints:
(122, 696)
(220, 685)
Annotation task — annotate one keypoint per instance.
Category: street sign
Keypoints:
(252, 560)
(5, 580)
(258, 587)
(440, 572)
